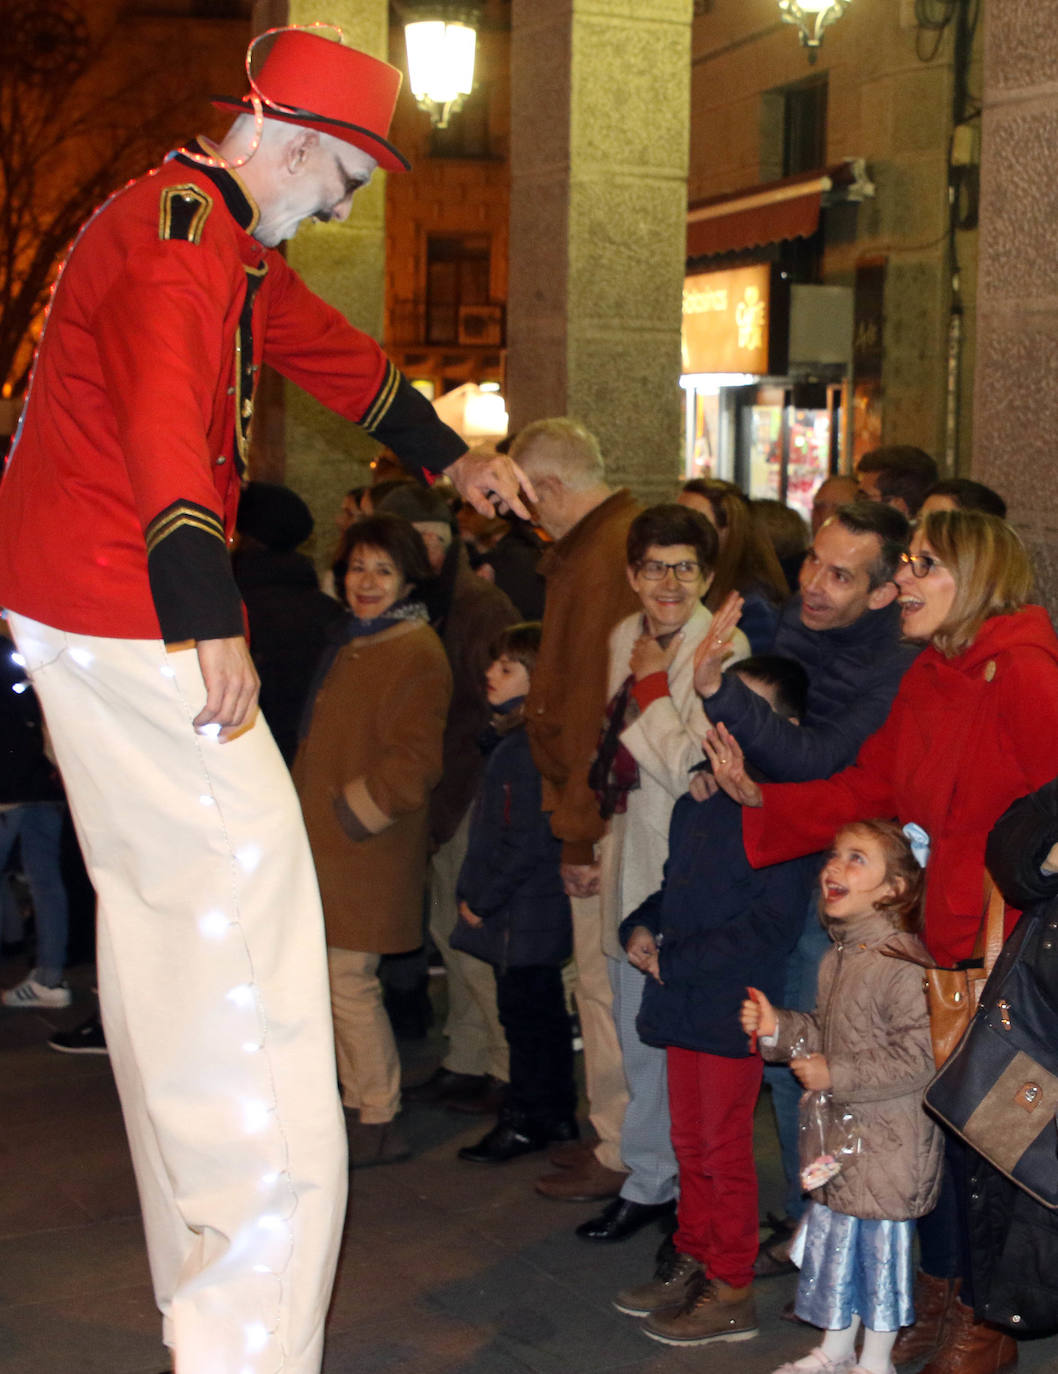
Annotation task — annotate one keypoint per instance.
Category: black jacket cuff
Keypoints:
(190, 573)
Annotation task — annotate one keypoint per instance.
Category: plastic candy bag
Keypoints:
(828, 1136)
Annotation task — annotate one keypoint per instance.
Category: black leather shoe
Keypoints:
(504, 1142)
(621, 1219)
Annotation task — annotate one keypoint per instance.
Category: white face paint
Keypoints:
(319, 185)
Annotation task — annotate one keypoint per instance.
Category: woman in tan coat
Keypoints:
(364, 773)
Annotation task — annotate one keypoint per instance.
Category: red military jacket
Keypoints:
(119, 499)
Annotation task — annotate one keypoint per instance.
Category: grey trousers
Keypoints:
(646, 1146)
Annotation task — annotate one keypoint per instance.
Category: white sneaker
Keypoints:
(30, 993)
(815, 1362)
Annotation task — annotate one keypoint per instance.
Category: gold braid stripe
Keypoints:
(383, 400)
(181, 517)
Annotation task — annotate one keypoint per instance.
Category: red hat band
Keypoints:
(327, 86)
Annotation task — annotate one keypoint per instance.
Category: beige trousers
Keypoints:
(368, 1063)
(213, 989)
(476, 1042)
(603, 1067)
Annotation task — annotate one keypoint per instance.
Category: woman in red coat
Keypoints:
(973, 726)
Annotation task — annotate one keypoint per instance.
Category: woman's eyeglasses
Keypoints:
(653, 569)
(921, 564)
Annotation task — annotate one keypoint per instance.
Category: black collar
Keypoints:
(241, 208)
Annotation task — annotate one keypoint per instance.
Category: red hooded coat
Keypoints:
(965, 737)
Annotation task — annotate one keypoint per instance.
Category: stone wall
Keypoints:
(598, 202)
(1016, 402)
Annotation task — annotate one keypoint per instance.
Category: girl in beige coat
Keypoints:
(869, 1046)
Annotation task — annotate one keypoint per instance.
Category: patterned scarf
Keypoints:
(614, 772)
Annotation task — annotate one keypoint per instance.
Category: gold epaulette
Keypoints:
(183, 212)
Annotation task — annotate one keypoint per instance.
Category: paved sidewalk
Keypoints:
(447, 1267)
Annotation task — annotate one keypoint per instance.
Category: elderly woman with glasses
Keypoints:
(973, 726)
(651, 740)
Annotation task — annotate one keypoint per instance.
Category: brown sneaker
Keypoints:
(668, 1287)
(587, 1183)
(712, 1311)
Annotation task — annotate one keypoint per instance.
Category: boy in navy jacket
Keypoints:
(514, 913)
(716, 925)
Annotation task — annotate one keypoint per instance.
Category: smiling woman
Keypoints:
(973, 727)
(652, 741)
(364, 772)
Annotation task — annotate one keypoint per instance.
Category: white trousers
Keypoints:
(213, 989)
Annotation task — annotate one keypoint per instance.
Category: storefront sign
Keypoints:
(727, 320)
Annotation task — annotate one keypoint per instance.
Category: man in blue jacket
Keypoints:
(844, 629)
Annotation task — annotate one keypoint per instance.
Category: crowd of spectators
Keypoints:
(593, 768)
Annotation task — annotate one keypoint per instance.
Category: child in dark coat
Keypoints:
(514, 913)
(716, 925)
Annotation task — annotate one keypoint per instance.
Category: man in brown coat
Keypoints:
(587, 594)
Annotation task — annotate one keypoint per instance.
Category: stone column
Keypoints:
(1016, 390)
(600, 93)
(345, 264)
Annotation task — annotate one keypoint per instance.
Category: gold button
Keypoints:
(990, 670)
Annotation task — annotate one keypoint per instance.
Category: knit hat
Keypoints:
(274, 515)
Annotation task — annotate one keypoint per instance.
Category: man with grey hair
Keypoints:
(587, 594)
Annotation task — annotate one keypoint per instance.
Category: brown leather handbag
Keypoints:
(954, 993)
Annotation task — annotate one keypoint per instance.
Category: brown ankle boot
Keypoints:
(933, 1298)
(972, 1347)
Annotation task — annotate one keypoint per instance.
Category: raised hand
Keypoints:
(729, 766)
(715, 649)
(757, 1015)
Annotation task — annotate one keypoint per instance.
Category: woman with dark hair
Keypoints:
(367, 763)
(974, 725)
(746, 562)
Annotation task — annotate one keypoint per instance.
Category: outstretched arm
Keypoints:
(491, 482)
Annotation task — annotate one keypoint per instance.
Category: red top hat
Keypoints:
(326, 86)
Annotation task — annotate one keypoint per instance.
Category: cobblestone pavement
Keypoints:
(447, 1267)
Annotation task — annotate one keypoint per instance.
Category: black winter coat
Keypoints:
(853, 676)
(1013, 1239)
(288, 617)
(721, 925)
(511, 876)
